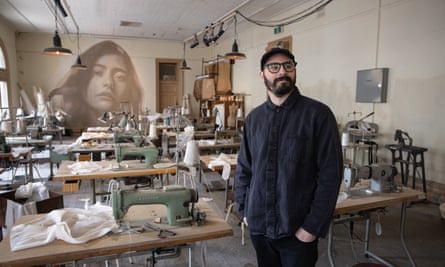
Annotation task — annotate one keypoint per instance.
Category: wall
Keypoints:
(8, 37)
(45, 72)
(348, 35)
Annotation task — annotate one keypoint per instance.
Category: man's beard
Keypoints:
(282, 89)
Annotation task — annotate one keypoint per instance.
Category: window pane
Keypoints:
(2, 59)
(4, 100)
(167, 71)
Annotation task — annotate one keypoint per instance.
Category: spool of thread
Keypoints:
(345, 139)
(6, 126)
(152, 131)
(191, 156)
(239, 113)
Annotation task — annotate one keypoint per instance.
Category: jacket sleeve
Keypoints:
(329, 162)
(243, 174)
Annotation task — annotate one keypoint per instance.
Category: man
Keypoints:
(289, 168)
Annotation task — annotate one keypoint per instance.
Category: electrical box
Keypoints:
(372, 85)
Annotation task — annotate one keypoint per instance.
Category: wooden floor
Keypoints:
(425, 235)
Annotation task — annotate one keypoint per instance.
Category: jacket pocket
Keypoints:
(297, 148)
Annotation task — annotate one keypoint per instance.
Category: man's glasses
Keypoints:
(275, 67)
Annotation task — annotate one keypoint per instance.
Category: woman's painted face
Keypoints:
(108, 83)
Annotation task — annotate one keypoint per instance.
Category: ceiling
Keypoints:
(176, 20)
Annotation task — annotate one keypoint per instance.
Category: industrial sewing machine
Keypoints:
(178, 200)
(382, 177)
(129, 136)
(150, 153)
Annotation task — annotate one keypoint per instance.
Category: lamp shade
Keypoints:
(79, 64)
(235, 54)
(57, 49)
(184, 66)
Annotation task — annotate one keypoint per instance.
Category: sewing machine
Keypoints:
(128, 136)
(176, 198)
(150, 153)
(382, 177)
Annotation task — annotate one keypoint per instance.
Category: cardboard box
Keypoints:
(55, 201)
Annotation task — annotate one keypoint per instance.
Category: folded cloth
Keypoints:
(71, 225)
(62, 149)
(84, 167)
(225, 161)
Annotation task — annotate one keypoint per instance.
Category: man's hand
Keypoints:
(245, 221)
(304, 235)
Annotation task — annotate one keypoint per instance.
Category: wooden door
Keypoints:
(169, 83)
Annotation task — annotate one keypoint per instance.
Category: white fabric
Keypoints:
(225, 161)
(219, 116)
(84, 167)
(62, 149)
(191, 156)
(72, 225)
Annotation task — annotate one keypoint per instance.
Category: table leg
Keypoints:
(402, 234)
(366, 246)
(51, 164)
(226, 193)
(204, 253)
(93, 188)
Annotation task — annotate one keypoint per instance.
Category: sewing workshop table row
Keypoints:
(109, 170)
(113, 246)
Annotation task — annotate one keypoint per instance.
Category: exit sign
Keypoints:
(278, 29)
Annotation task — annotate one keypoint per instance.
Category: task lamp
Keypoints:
(184, 66)
(235, 54)
(78, 65)
(57, 49)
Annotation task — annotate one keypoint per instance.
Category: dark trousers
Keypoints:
(286, 252)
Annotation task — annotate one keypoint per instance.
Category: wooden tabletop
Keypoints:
(93, 148)
(60, 251)
(219, 146)
(360, 200)
(109, 170)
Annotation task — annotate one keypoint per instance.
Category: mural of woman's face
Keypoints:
(108, 83)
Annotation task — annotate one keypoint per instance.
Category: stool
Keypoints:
(415, 157)
(397, 157)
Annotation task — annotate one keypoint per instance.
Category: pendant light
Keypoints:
(78, 65)
(57, 49)
(235, 54)
(184, 66)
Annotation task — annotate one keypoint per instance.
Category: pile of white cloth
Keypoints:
(71, 225)
(225, 161)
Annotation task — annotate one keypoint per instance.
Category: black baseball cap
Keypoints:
(274, 51)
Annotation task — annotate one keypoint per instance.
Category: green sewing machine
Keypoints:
(178, 200)
(150, 153)
(129, 136)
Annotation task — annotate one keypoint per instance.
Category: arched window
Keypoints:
(4, 79)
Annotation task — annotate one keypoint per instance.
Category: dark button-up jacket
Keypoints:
(289, 168)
